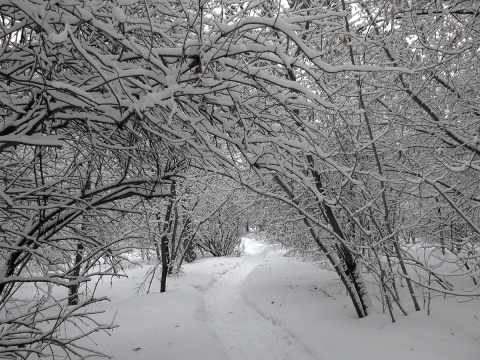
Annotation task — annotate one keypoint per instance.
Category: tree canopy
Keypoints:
(357, 123)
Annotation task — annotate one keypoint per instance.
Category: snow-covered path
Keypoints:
(244, 332)
(265, 306)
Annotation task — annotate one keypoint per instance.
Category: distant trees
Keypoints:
(203, 212)
(221, 234)
(362, 118)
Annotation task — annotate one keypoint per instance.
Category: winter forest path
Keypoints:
(244, 332)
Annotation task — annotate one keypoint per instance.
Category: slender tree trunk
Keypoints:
(73, 289)
(158, 251)
(341, 258)
(164, 251)
(174, 242)
(165, 263)
(361, 105)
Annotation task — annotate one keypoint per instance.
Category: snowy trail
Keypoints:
(264, 306)
(244, 332)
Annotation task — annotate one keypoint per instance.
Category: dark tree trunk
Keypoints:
(73, 289)
(174, 242)
(340, 257)
(165, 263)
(164, 251)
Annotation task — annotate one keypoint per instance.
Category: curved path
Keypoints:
(244, 332)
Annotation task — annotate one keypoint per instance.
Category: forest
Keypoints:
(168, 129)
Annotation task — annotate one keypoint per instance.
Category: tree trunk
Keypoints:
(73, 289)
(341, 257)
(174, 242)
(164, 251)
(165, 263)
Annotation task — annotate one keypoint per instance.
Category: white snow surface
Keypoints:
(264, 305)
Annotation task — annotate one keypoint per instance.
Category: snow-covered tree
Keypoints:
(354, 115)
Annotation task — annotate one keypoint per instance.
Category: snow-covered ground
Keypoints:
(263, 306)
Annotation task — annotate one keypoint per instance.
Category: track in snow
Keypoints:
(245, 333)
